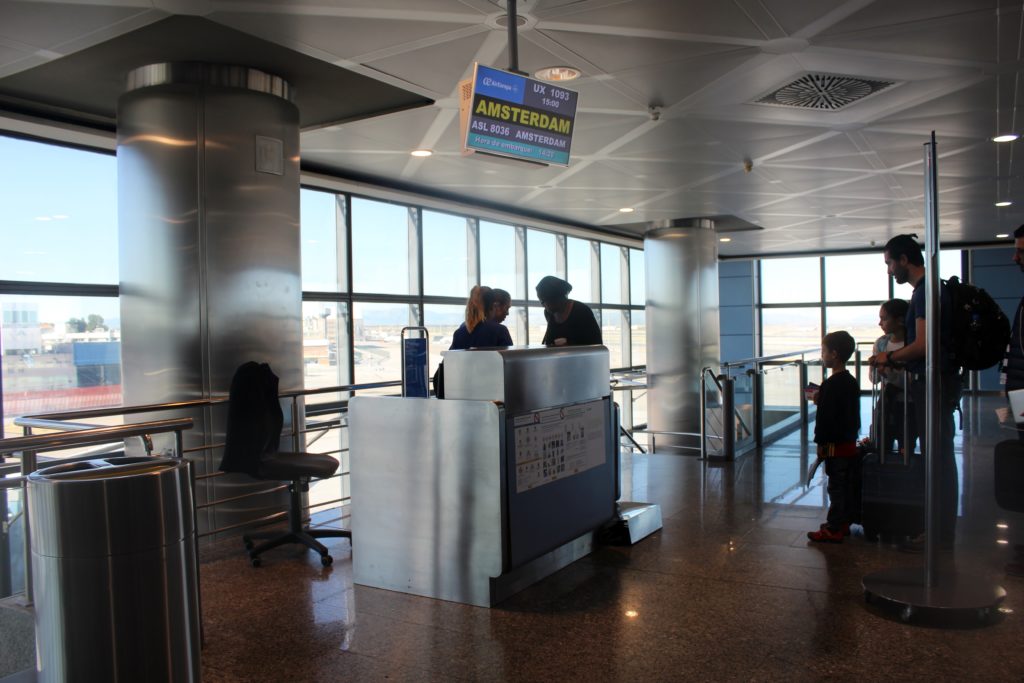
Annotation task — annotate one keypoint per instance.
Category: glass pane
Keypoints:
(790, 280)
(540, 260)
(59, 218)
(949, 265)
(785, 330)
(537, 325)
(498, 258)
(59, 353)
(639, 399)
(611, 274)
(611, 333)
(637, 287)
(578, 256)
(325, 348)
(862, 323)
(319, 231)
(445, 264)
(639, 340)
(857, 277)
(380, 247)
(377, 351)
(442, 321)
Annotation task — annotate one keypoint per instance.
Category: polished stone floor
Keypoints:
(729, 589)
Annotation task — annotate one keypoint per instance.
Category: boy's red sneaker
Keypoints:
(825, 535)
(845, 528)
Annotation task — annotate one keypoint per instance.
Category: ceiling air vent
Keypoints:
(828, 92)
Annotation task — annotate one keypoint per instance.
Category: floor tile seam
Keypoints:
(427, 670)
(723, 579)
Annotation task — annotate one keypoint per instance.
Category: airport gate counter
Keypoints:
(477, 496)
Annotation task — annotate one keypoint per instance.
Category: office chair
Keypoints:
(251, 446)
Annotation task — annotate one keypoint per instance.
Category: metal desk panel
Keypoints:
(428, 496)
(528, 378)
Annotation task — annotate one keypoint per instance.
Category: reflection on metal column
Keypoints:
(208, 212)
(681, 260)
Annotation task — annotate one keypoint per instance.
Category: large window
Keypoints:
(319, 234)
(58, 216)
(790, 280)
(579, 255)
(498, 266)
(445, 260)
(369, 268)
(380, 247)
(540, 260)
(611, 274)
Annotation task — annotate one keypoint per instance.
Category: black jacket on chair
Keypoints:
(255, 419)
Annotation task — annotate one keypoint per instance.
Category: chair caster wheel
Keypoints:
(907, 613)
(255, 561)
(326, 560)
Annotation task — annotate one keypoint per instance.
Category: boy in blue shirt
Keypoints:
(835, 432)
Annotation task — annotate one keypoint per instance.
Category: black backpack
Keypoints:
(980, 328)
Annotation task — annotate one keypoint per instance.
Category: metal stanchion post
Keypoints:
(728, 417)
(926, 587)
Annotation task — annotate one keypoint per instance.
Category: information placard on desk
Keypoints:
(515, 116)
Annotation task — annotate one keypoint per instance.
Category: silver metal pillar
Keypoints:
(208, 212)
(681, 260)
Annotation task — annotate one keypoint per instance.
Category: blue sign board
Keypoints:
(520, 117)
(414, 379)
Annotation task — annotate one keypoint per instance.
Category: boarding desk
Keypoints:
(477, 496)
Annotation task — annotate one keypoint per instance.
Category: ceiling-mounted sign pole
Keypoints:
(513, 38)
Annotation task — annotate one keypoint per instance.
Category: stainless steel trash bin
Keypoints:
(114, 571)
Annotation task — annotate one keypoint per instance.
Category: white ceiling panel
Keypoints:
(713, 19)
(343, 37)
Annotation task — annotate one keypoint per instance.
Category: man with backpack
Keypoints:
(905, 262)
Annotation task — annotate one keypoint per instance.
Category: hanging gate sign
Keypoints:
(514, 116)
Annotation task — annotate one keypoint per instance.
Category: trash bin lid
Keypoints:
(109, 506)
(104, 468)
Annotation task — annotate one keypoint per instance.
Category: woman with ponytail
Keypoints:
(485, 311)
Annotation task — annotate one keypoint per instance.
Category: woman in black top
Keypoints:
(570, 323)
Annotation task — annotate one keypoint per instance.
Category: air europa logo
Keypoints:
(492, 83)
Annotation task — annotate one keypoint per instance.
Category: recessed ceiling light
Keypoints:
(725, 239)
(1003, 203)
(557, 73)
(1002, 525)
(1006, 137)
(1000, 236)
(421, 152)
(627, 209)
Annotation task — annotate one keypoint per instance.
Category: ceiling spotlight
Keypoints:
(557, 73)
(1000, 236)
(627, 209)
(1003, 203)
(725, 239)
(1006, 137)
(421, 152)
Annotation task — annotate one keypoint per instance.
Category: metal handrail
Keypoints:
(39, 443)
(761, 359)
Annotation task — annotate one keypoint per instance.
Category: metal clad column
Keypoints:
(681, 260)
(208, 212)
